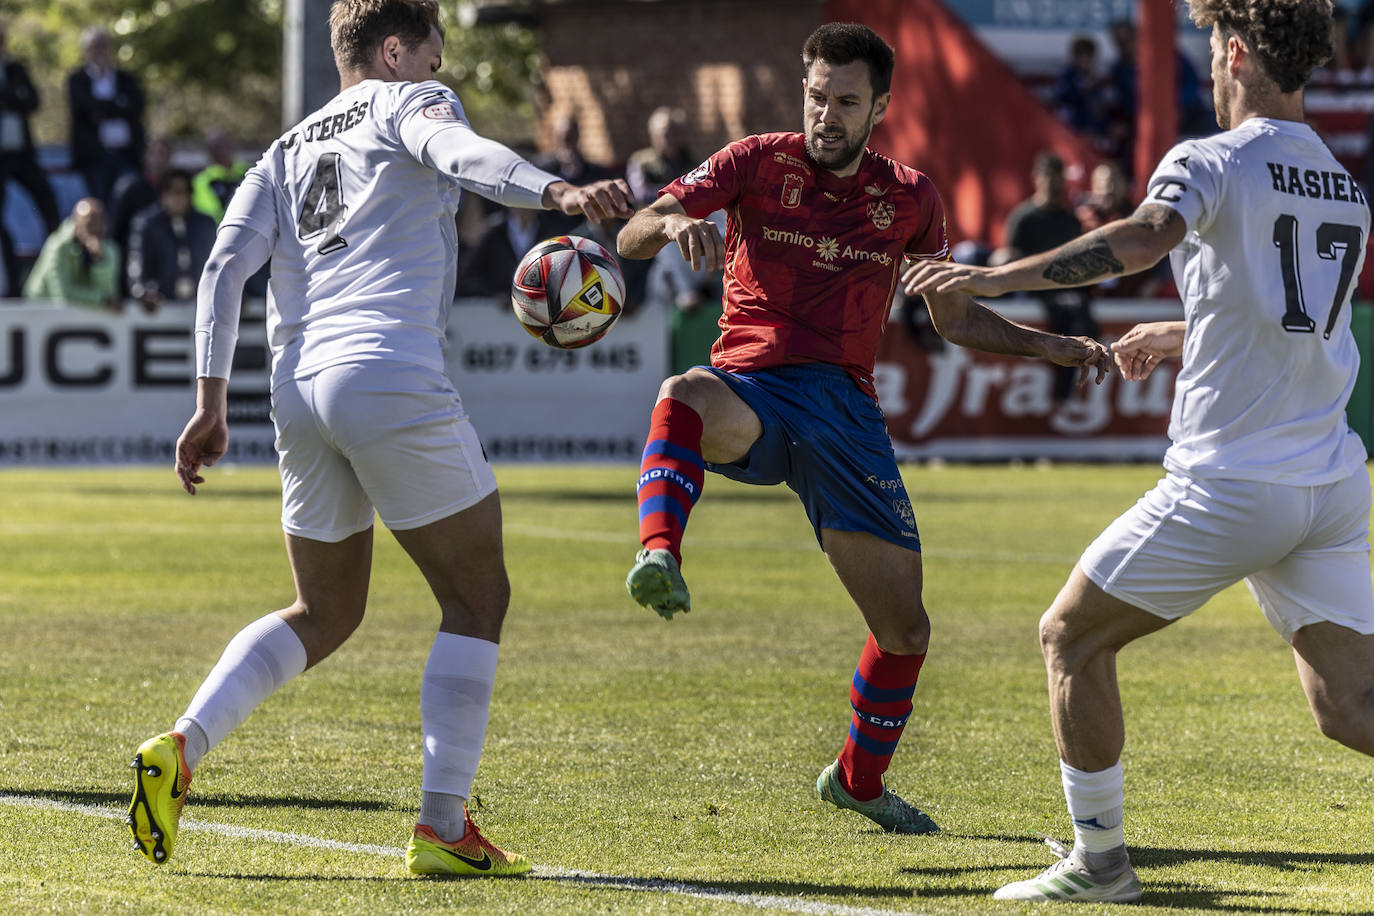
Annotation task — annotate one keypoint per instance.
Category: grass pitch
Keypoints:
(645, 766)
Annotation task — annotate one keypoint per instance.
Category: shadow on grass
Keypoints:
(1163, 893)
(121, 799)
(727, 889)
(730, 888)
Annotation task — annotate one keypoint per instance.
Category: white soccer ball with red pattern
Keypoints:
(568, 291)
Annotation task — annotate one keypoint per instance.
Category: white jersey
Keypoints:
(358, 201)
(1275, 243)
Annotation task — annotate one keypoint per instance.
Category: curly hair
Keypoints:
(1289, 38)
(357, 27)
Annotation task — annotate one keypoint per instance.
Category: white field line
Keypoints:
(567, 875)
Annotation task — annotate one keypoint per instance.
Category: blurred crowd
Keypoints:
(138, 223)
(140, 228)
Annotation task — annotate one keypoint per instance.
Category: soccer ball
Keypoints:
(567, 291)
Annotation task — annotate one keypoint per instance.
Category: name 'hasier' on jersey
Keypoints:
(1324, 185)
(1268, 209)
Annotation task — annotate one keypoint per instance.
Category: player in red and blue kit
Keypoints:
(818, 228)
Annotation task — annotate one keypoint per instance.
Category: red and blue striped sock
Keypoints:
(670, 475)
(884, 684)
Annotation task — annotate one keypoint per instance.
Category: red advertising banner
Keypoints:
(966, 405)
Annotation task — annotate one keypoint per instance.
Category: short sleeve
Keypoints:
(1188, 179)
(930, 242)
(716, 183)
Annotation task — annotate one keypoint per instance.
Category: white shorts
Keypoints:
(1303, 551)
(375, 433)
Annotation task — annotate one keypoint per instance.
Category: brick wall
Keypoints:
(733, 65)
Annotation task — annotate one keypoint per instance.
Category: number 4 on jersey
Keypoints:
(324, 209)
(1333, 240)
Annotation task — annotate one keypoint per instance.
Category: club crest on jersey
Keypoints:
(905, 512)
(697, 173)
(791, 190)
(881, 212)
(440, 111)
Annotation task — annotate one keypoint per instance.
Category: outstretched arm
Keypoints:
(971, 324)
(1125, 246)
(665, 221)
(1141, 349)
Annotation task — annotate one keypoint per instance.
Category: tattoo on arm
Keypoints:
(1084, 261)
(1155, 217)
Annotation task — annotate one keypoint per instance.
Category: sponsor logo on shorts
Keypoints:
(905, 512)
(890, 486)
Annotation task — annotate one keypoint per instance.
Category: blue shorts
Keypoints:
(826, 439)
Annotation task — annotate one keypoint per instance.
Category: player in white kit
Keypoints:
(1265, 481)
(355, 208)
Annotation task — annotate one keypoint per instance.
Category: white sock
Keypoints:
(261, 658)
(444, 814)
(197, 742)
(455, 702)
(1095, 804)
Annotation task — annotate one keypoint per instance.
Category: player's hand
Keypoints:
(1089, 355)
(698, 239)
(1145, 346)
(202, 442)
(950, 277)
(598, 201)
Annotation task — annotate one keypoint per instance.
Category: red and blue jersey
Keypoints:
(811, 260)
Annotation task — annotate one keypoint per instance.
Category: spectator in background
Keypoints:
(106, 107)
(1079, 97)
(1341, 66)
(215, 184)
(137, 191)
(565, 160)
(1109, 199)
(487, 268)
(78, 264)
(169, 244)
(1043, 222)
(1361, 41)
(1195, 117)
(665, 158)
(18, 100)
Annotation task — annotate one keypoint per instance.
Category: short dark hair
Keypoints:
(1289, 38)
(841, 43)
(172, 175)
(1047, 163)
(357, 27)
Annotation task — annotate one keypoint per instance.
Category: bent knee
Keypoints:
(689, 388)
(908, 638)
(1348, 721)
(1062, 650)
